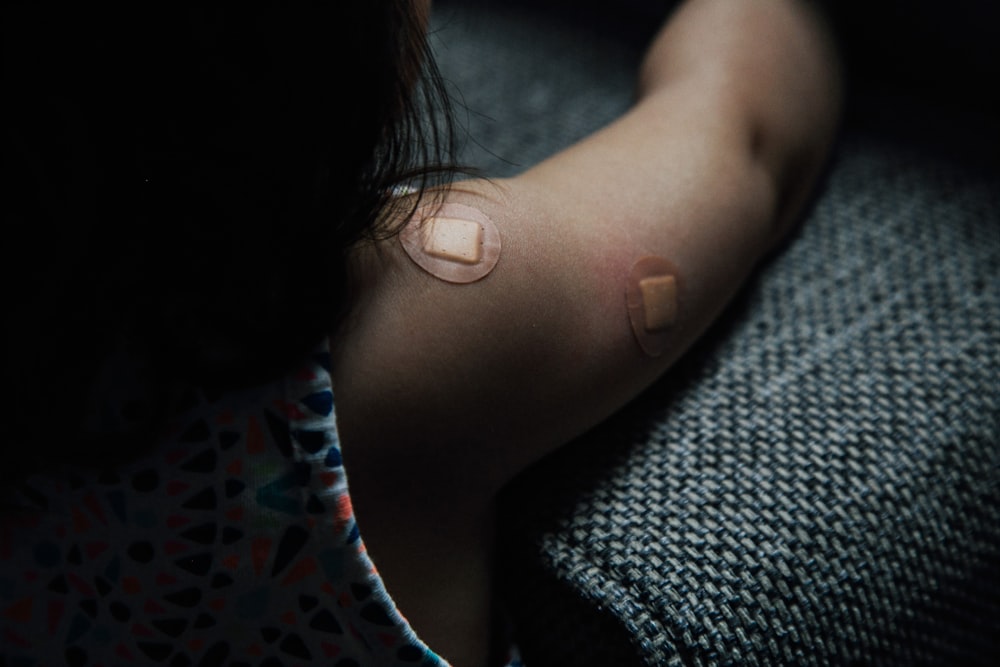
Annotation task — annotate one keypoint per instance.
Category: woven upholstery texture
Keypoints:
(818, 481)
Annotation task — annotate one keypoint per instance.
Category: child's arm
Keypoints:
(471, 383)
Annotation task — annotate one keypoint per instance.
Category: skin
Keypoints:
(445, 392)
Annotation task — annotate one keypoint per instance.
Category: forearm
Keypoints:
(772, 61)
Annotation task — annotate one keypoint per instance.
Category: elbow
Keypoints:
(790, 149)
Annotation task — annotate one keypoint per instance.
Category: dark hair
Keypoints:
(185, 185)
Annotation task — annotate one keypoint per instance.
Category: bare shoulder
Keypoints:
(451, 371)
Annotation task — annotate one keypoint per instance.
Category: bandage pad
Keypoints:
(651, 298)
(453, 242)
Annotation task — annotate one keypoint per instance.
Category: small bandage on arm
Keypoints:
(651, 299)
(453, 242)
(659, 301)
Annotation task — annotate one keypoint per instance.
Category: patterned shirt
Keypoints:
(233, 543)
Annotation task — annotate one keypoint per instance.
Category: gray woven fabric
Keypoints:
(525, 84)
(818, 481)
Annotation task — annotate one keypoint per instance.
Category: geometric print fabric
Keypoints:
(233, 543)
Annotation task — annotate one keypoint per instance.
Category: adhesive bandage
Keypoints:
(453, 242)
(651, 298)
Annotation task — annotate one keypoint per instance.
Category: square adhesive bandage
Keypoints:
(453, 240)
(653, 301)
(659, 301)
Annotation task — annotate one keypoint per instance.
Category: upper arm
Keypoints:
(477, 380)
